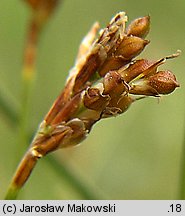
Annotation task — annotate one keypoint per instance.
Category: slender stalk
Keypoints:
(23, 172)
(41, 11)
(182, 173)
(28, 74)
(26, 167)
(29, 161)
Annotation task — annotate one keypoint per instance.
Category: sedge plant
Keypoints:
(104, 82)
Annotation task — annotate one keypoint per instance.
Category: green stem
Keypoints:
(12, 193)
(28, 74)
(182, 173)
(22, 173)
(27, 87)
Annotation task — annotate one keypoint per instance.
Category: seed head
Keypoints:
(106, 79)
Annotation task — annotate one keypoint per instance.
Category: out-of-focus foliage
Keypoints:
(133, 156)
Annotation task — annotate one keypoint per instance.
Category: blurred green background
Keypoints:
(134, 156)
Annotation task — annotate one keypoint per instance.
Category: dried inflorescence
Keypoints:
(104, 82)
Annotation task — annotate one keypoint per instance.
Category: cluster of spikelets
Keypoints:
(104, 82)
